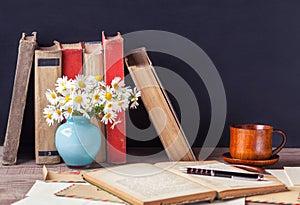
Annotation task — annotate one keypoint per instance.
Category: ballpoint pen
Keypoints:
(219, 173)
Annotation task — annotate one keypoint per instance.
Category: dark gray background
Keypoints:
(253, 44)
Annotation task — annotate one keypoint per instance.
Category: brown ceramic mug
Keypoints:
(253, 141)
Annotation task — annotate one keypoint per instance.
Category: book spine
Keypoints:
(114, 67)
(93, 65)
(47, 70)
(71, 59)
(27, 46)
(158, 106)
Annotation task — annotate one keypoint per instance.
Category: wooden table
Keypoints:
(15, 181)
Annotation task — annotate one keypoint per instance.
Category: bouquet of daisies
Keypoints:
(89, 96)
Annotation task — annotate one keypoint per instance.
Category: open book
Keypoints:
(164, 183)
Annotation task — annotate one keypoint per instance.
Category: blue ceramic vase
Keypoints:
(78, 141)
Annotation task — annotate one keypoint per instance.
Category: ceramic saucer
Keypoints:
(263, 162)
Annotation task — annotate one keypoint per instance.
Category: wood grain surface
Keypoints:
(16, 180)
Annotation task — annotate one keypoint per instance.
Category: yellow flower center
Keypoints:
(58, 112)
(53, 96)
(107, 116)
(78, 99)
(96, 96)
(81, 84)
(68, 98)
(109, 105)
(98, 77)
(49, 116)
(120, 103)
(63, 84)
(116, 86)
(108, 96)
(70, 110)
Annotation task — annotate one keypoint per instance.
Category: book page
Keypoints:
(216, 183)
(293, 175)
(281, 175)
(147, 183)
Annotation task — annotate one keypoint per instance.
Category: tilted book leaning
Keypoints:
(26, 49)
(158, 106)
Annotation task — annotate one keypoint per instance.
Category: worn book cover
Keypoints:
(71, 59)
(26, 49)
(114, 67)
(93, 65)
(48, 68)
(158, 106)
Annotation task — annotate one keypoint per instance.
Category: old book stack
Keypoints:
(103, 59)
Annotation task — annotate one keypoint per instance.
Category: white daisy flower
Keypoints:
(79, 99)
(58, 115)
(67, 111)
(108, 107)
(67, 99)
(121, 105)
(95, 79)
(117, 84)
(48, 114)
(96, 97)
(98, 78)
(81, 82)
(109, 117)
(107, 94)
(134, 105)
(135, 94)
(63, 85)
(52, 97)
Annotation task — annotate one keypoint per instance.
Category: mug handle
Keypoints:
(279, 148)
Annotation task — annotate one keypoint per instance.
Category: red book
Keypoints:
(114, 67)
(71, 59)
